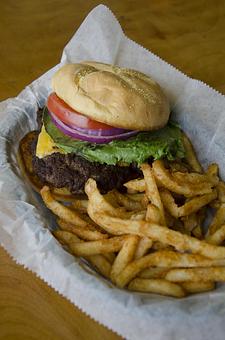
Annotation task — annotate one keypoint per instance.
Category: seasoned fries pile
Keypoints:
(152, 238)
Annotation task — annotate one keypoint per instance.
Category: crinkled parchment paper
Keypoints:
(201, 112)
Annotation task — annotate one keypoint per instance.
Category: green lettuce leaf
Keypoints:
(163, 143)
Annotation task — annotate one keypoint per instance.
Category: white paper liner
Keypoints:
(201, 112)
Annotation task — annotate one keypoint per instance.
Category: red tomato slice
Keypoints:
(71, 117)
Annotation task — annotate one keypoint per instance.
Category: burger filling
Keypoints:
(66, 155)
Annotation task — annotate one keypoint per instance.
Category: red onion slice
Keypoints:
(76, 134)
(99, 132)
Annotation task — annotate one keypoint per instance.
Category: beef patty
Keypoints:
(72, 171)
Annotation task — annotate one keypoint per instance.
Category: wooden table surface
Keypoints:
(188, 34)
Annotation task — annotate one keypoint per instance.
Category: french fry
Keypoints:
(117, 226)
(152, 191)
(213, 171)
(65, 237)
(127, 202)
(81, 248)
(98, 261)
(143, 246)
(153, 214)
(167, 180)
(91, 224)
(196, 274)
(60, 210)
(101, 201)
(132, 191)
(114, 232)
(196, 178)
(138, 185)
(145, 200)
(138, 197)
(169, 203)
(198, 287)
(190, 222)
(191, 206)
(157, 286)
(218, 237)
(101, 264)
(163, 258)
(179, 226)
(178, 166)
(197, 232)
(221, 191)
(110, 198)
(170, 220)
(85, 232)
(201, 216)
(196, 203)
(124, 256)
(221, 195)
(110, 245)
(190, 154)
(80, 205)
(110, 257)
(154, 273)
(215, 204)
(218, 219)
(157, 245)
(62, 194)
(138, 216)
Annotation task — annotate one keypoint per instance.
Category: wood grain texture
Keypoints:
(188, 34)
(29, 309)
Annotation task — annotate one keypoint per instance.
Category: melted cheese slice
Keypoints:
(45, 145)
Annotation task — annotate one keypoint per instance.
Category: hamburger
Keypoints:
(100, 121)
